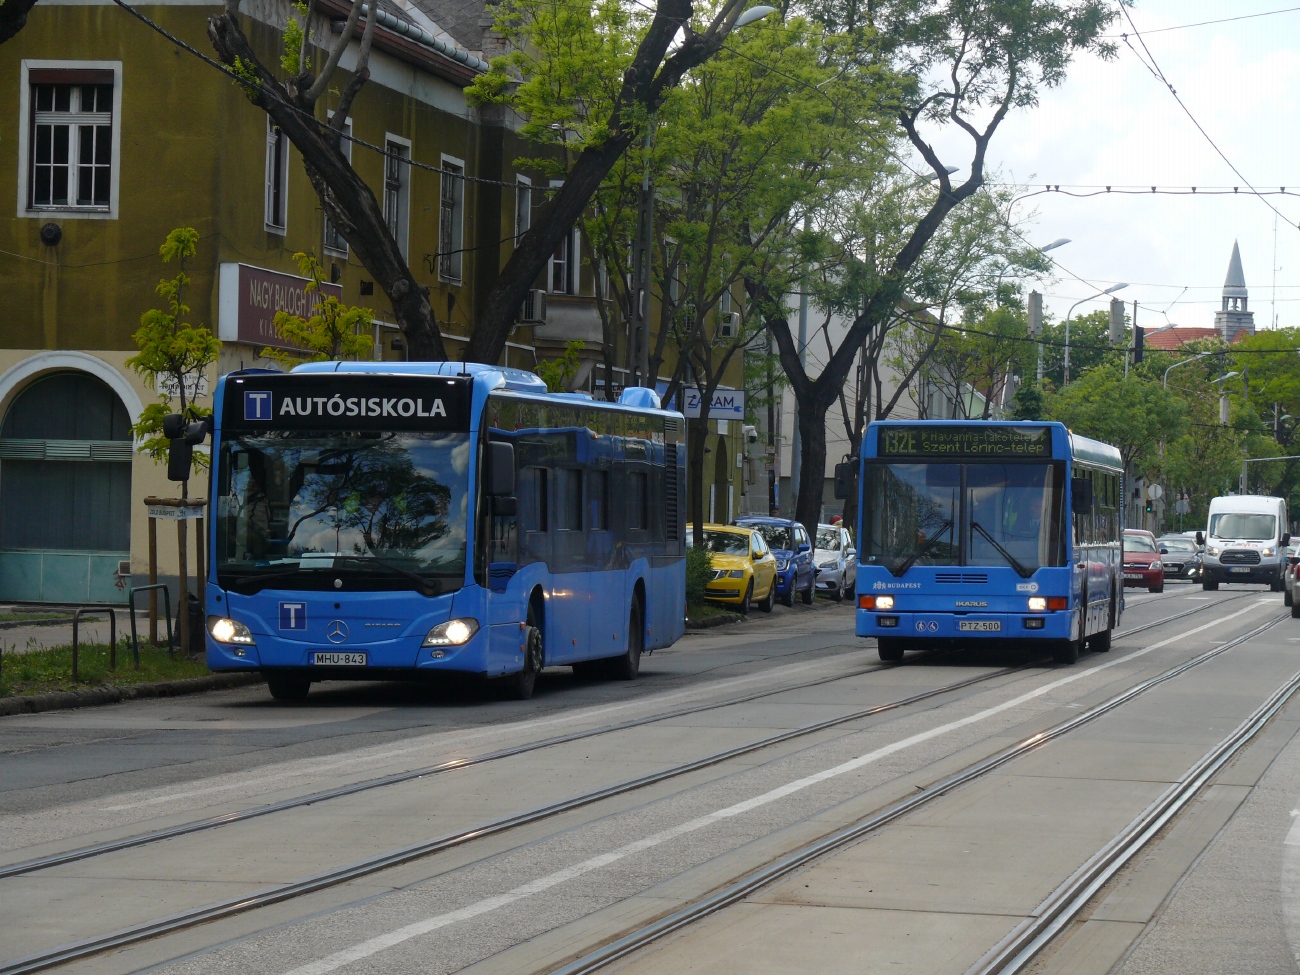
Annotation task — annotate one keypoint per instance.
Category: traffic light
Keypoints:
(1149, 507)
(1138, 332)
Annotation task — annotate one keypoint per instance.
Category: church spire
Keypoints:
(1234, 315)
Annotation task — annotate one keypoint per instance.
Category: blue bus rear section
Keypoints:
(351, 518)
(988, 530)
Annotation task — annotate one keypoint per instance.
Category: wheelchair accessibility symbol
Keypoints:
(922, 626)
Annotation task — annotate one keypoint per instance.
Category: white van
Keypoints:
(1245, 541)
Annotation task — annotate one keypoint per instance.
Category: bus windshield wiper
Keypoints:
(911, 559)
(427, 585)
(1015, 563)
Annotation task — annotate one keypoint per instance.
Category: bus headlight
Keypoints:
(453, 633)
(229, 631)
(1037, 604)
(884, 602)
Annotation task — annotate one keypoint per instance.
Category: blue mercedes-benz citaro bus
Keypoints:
(988, 530)
(390, 520)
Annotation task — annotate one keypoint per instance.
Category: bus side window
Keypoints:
(538, 509)
(637, 500)
(568, 507)
(598, 495)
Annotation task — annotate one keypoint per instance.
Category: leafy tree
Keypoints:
(558, 373)
(333, 331)
(1030, 403)
(1089, 346)
(587, 78)
(292, 103)
(13, 16)
(1134, 414)
(174, 354)
(969, 65)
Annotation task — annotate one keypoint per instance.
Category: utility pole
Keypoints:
(1036, 328)
(771, 431)
(643, 270)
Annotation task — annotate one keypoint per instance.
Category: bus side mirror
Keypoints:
(843, 480)
(1081, 495)
(500, 469)
(1200, 538)
(180, 459)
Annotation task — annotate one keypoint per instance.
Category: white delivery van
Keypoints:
(1245, 541)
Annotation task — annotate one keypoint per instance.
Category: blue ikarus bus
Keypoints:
(988, 531)
(393, 520)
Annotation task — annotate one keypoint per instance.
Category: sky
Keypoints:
(1113, 123)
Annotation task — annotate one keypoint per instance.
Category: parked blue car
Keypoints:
(790, 544)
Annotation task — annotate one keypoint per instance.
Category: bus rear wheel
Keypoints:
(284, 688)
(627, 666)
(1100, 642)
(890, 649)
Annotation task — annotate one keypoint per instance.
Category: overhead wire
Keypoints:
(1154, 68)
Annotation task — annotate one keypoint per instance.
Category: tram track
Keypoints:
(1020, 947)
(36, 864)
(190, 918)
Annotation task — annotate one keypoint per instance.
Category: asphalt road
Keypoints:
(1216, 890)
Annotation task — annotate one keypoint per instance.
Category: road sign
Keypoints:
(1155, 491)
(727, 404)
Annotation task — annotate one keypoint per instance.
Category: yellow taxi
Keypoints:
(744, 568)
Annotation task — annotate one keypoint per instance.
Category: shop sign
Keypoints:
(727, 404)
(251, 296)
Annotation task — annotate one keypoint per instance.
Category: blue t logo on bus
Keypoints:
(293, 616)
(257, 404)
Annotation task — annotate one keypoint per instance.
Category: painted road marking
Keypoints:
(374, 945)
(776, 674)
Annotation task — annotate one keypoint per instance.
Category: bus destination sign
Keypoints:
(965, 441)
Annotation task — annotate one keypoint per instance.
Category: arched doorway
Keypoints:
(65, 491)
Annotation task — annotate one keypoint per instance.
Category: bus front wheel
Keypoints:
(1066, 651)
(285, 688)
(519, 686)
(890, 649)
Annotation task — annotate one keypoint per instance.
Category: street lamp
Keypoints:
(1109, 291)
(1059, 242)
(931, 177)
(1226, 375)
(753, 14)
(1201, 355)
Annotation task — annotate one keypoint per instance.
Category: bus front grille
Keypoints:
(958, 578)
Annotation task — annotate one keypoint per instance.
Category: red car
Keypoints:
(1142, 561)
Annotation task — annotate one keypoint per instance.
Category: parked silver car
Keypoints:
(836, 561)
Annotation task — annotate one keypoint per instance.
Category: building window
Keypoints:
(397, 189)
(334, 241)
(523, 206)
(277, 177)
(451, 211)
(562, 274)
(71, 132)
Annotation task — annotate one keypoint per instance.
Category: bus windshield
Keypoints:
(343, 510)
(963, 514)
(1236, 524)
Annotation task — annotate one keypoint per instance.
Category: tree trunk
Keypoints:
(812, 465)
(696, 431)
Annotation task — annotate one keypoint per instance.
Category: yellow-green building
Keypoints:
(120, 136)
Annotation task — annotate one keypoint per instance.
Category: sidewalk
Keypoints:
(18, 636)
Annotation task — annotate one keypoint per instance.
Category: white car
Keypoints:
(836, 561)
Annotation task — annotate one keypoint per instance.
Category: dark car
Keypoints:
(1181, 557)
(1291, 576)
(790, 544)
(1142, 565)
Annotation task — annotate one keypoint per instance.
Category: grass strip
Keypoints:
(50, 669)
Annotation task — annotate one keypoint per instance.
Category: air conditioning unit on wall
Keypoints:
(729, 325)
(534, 307)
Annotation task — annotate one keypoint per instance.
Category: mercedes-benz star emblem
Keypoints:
(337, 631)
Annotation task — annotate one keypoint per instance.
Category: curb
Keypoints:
(728, 619)
(105, 694)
